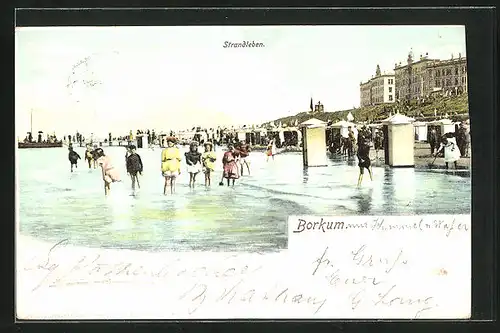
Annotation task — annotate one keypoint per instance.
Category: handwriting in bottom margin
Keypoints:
(334, 274)
(392, 298)
(364, 258)
(239, 293)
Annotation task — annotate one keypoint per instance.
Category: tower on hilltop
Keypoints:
(318, 108)
(410, 57)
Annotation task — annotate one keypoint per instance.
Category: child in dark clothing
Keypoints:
(73, 158)
(95, 155)
(364, 162)
(193, 161)
(134, 166)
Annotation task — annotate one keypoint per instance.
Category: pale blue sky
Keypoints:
(177, 77)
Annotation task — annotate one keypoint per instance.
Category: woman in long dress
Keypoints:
(170, 164)
(230, 163)
(451, 151)
(109, 173)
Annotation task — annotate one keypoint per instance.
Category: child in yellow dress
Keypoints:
(208, 159)
(170, 164)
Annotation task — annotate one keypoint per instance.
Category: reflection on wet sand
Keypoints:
(249, 217)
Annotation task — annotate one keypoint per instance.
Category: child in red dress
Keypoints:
(230, 163)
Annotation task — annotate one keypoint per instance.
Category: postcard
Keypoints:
(242, 172)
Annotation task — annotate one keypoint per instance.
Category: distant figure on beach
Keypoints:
(270, 150)
(134, 165)
(95, 156)
(364, 137)
(344, 145)
(467, 138)
(433, 140)
(208, 159)
(450, 147)
(193, 162)
(355, 130)
(351, 141)
(463, 140)
(244, 151)
(170, 164)
(89, 155)
(109, 173)
(230, 165)
(73, 158)
(335, 144)
(379, 142)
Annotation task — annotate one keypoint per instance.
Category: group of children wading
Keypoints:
(234, 160)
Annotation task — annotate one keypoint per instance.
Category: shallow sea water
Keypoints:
(55, 204)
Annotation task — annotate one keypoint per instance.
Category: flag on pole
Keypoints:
(311, 105)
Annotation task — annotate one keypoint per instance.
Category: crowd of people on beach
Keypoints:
(357, 143)
(347, 145)
(452, 146)
(461, 137)
(235, 163)
(218, 136)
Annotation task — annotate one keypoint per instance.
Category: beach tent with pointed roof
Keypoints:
(313, 122)
(420, 130)
(343, 126)
(446, 125)
(397, 119)
(342, 123)
(445, 121)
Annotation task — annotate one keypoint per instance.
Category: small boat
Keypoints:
(24, 145)
(451, 171)
(29, 143)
